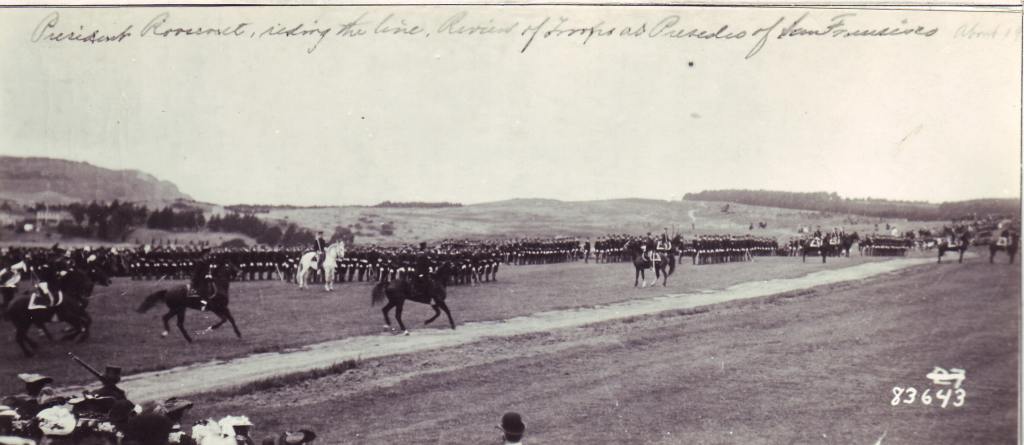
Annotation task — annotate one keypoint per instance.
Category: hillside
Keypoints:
(56, 181)
(548, 218)
(833, 203)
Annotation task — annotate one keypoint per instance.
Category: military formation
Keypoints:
(885, 245)
(105, 416)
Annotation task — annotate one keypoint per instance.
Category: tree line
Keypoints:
(883, 208)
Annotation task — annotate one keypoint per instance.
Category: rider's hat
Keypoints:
(112, 373)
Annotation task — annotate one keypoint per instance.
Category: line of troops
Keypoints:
(885, 245)
(106, 417)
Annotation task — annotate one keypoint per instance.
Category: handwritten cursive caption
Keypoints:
(952, 395)
(53, 28)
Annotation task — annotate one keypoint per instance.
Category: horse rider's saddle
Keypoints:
(1003, 241)
(42, 298)
(815, 242)
(833, 241)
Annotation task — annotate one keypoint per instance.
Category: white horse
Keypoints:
(308, 263)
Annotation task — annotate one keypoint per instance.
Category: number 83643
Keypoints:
(942, 397)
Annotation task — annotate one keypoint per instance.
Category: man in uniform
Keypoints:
(201, 278)
(421, 270)
(320, 247)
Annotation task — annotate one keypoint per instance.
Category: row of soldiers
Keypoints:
(885, 245)
(106, 417)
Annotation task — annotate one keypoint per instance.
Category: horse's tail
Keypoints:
(152, 300)
(379, 294)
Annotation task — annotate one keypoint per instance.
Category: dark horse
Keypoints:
(432, 291)
(959, 243)
(178, 300)
(1009, 246)
(70, 309)
(664, 264)
(820, 246)
(847, 243)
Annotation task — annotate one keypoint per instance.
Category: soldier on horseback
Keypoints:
(421, 271)
(202, 278)
(320, 247)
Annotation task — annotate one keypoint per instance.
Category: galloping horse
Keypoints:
(308, 263)
(432, 291)
(68, 308)
(664, 264)
(955, 243)
(1008, 243)
(215, 293)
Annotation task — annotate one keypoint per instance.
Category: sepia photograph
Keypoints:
(510, 223)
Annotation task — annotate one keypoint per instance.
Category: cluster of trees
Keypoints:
(111, 222)
(264, 233)
(833, 203)
(168, 219)
(418, 204)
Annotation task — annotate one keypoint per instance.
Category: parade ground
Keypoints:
(814, 349)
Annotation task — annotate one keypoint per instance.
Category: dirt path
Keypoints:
(216, 375)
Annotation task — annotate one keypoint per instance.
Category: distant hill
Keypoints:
(833, 203)
(30, 180)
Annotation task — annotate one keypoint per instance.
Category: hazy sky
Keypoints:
(471, 119)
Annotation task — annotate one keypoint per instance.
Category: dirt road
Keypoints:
(219, 375)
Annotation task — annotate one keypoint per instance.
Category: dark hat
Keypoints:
(112, 373)
(512, 423)
(176, 408)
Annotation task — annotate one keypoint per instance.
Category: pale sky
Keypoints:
(454, 118)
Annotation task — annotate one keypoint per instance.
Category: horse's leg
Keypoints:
(46, 332)
(961, 260)
(636, 280)
(21, 338)
(384, 310)
(166, 318)
(398, 317)
(437, 313)
(231, 319)
(181, 324)
(991, 254)
(444, 307)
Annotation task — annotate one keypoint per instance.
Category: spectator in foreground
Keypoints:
(513, 428)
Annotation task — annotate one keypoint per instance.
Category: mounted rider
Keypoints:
(202, 278)
(320, 247)
(664, 245)
(421, 270)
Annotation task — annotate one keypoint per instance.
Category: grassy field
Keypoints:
(806, 367)
(545, 218)
(273, 315)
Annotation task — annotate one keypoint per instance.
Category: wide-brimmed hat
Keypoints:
(14, 440)
(292, 438)
(34, 382)
(56, 421)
